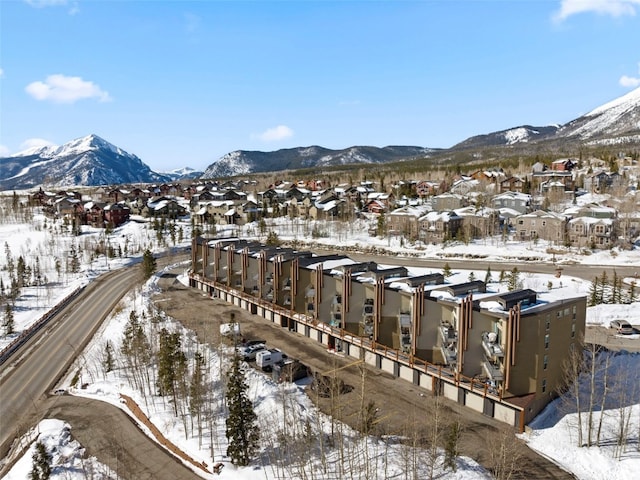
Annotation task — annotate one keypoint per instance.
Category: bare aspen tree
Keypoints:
(505, 454)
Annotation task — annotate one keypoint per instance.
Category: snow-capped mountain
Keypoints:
(523, 134)
(615, 122)
(620, 117)
(243, 162)
(85, 161)
(182, 173)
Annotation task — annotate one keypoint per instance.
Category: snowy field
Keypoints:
(287, 403)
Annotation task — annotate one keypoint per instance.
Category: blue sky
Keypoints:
(181, 83)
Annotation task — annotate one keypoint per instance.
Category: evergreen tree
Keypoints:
(241, 426)
(513, 282)
(451, 446)
(148, 264)
(74, 261)
(41, 463)
(593, 292)
(8, 319)
(502, 276)
(605, 290)
(472, 277)
(446, 270)
(488, 278)
(172, 366)
(273, 239)
(381, 228)
(632, 293)
(109, 361)
(197, 388)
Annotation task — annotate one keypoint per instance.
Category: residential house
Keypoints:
(436, 227)
(520, 202)
(404, 221)
(447, 201)
(541, 225)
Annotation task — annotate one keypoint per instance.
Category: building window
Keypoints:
(544, 385)
(546, 341)
(545, 362)
(548, 323)
(573, 330)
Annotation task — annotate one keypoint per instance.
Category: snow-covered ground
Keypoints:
(68, 458)
(34, 242)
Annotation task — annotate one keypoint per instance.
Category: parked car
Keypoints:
(249, 352)
(290, 371)
(266, 359)
(622, 326)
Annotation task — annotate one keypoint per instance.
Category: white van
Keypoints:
(266, 359)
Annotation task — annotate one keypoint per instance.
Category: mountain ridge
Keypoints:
(91, 160)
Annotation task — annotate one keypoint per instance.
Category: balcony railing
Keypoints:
(493, 370)
(491, 345)
(287, 284)
(449, 354)
(448, 334)
(269, 280)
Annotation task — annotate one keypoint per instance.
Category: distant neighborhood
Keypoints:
(538, 205)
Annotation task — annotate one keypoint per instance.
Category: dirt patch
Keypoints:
(399, 407)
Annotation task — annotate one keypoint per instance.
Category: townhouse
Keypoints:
(497, 352)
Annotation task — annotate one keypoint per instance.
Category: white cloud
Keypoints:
(62, 89)
(4, 151)
(46, 3)
(274, 134)
(35, 143)
(627, 81)
(615, 8)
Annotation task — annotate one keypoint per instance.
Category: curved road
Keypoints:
(30, 374)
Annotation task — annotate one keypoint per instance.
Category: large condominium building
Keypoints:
(497, 352)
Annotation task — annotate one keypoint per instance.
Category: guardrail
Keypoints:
(21, 339)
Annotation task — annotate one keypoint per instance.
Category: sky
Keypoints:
(181, 83)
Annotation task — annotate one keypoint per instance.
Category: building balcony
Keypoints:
(287, 301)
(287, 284)
(367, 308)
(448, 335)
(491, 345)
(269, 295)
(336, 308)
(449, 354)
(493, 370)
(269, 280)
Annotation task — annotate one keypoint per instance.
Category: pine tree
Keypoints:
(172, 365)
(148, 264)
(74, 261)
(513, 282)
(446, 270)
(451, 446)
(108, 357)
(197, 389)
(241, 426)
(488, 278)
(605, 289)
(472, 277)
(593, 292)
(8, 319)
(41, 463)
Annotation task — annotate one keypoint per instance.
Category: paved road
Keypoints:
(110, 435)
(33, 371)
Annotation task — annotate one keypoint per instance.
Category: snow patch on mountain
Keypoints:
(520, 134)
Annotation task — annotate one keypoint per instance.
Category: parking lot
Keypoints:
(609, 338)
